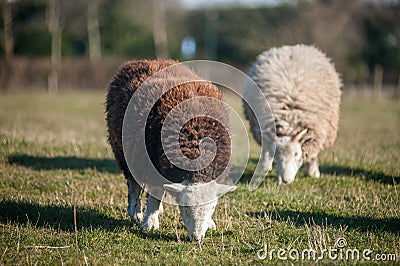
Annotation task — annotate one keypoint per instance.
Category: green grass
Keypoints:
(54, 155)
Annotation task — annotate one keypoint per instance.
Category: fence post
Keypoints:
(397, 90)
(364, 81)
(378, 78)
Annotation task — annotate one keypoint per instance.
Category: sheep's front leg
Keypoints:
(266, 154)
(153, 209)
(312, 168)
(211, 224)
(134, 201)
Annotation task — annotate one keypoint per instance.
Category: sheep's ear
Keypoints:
(276, 138)
(174, 187)
(299, 136)
(221, 189)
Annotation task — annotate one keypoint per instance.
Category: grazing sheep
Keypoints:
(303, 90)
(188, 184)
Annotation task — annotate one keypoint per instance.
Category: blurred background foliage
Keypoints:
(358, 34)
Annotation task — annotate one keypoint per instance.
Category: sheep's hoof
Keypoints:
(137, 218)
(212, 225)
(314, 173)
(150, 223)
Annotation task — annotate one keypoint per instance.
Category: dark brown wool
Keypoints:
(124, 84)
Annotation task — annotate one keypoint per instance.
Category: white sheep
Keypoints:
(303, 90)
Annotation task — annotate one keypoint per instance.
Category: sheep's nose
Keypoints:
(284, 181)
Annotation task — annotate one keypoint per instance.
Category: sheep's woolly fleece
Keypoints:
(303, 91)
(123, 86)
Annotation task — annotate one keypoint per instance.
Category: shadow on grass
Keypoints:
(337, 170)
(358, 223)
(340, 170)
(64, 163)
(62, 218)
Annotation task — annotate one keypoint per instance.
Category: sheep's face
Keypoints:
(199, 202)
(198, 219)
(289, 156)
(288, 159)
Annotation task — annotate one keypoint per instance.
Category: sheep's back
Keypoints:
(191, 133)
(125, 83)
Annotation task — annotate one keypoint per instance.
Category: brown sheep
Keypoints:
(129, 78)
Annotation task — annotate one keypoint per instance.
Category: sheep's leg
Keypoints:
(161, 209)
(153, 209)
(134, 201)
(266, 154)
(211, 224)
(312, 168)
(266, 161)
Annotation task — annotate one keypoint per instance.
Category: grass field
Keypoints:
(54, 156)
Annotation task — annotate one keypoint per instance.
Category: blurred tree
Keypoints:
(211, 34)
(30, 28)
(357, 34)
(8, 42)
(333, 27)
(93, 31)
(336, 27)
(242, 33)
(126, 28)
(383, 41)
(55, 30)
(324, 21)
(8, 38)
(159, 29)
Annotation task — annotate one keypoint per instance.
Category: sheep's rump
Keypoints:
(303, 91)
(124, 85)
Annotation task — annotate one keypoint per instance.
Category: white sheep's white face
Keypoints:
(289, 156)
(200, 202)
(288, 159)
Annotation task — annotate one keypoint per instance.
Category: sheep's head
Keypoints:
(289, 156)
(200, 202)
